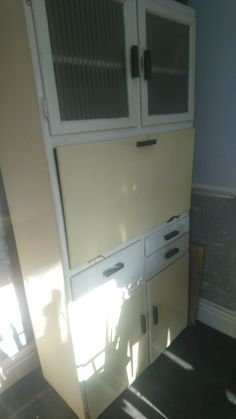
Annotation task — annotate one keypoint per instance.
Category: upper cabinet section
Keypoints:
(167, 40)
(97, 57)
(85, 52)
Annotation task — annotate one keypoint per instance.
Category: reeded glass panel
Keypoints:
(169, 44)
(88, 46)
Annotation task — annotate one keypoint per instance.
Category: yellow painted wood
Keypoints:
(25, 174)
(111, 348)
(114, 191)
(169, 292)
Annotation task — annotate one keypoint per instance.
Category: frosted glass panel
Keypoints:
(169, 44)
(88, 47)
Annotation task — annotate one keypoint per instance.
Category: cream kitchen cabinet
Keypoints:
(115, 309)
(102, 198)
(168, 305)
(96, 62)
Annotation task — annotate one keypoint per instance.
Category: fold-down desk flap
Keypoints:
(114, 191)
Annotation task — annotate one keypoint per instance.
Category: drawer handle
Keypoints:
(171, 253)
(110, 271)
(171, 235)
(146, 143)
(143, 324)
(155, 314)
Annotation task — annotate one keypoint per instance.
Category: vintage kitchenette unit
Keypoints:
(108, 169)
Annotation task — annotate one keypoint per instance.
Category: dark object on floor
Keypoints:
(194, 379)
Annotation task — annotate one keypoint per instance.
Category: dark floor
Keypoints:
(33, 398)
(194, 379)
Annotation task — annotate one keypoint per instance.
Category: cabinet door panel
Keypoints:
(114, 191)
(167, 33)
(168, 295)
(85, 57)
(109, 346)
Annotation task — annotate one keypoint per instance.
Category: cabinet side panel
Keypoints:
(24, 168)
(114, 191)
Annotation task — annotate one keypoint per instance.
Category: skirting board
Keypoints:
(217, 317)
(214, 190)
(12, 370)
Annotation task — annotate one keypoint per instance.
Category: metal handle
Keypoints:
(146, 143)
(147, 65)
(171, 253)
(155, 314)
(110, 271)
(171, 235)
(134, 61)
(143, 324)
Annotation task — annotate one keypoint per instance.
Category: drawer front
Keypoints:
(168, 254)
(125, 267)
(166, 235)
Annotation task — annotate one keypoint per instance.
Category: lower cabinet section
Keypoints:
(126, 310)
(111, 342)
(124, 356)
(168, 305)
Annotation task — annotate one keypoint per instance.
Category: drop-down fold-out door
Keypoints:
(114, 191)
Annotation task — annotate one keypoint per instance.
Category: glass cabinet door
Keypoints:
(85, 49)
(167, 47)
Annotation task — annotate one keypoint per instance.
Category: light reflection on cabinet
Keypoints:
(109, 343)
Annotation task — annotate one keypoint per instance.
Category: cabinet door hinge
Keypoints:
(45, 108)
(28, 2)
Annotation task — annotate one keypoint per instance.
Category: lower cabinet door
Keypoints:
(168, 305)
(111, 348)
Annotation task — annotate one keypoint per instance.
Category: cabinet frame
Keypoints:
(56, 125)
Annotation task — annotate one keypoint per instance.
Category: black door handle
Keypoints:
(147, 64)
(155, 314)
(143, 324)
(134, 61)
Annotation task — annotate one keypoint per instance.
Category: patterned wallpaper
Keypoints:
(213, 224)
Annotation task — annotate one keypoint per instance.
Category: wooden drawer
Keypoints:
(167, 255)
(166, 235)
